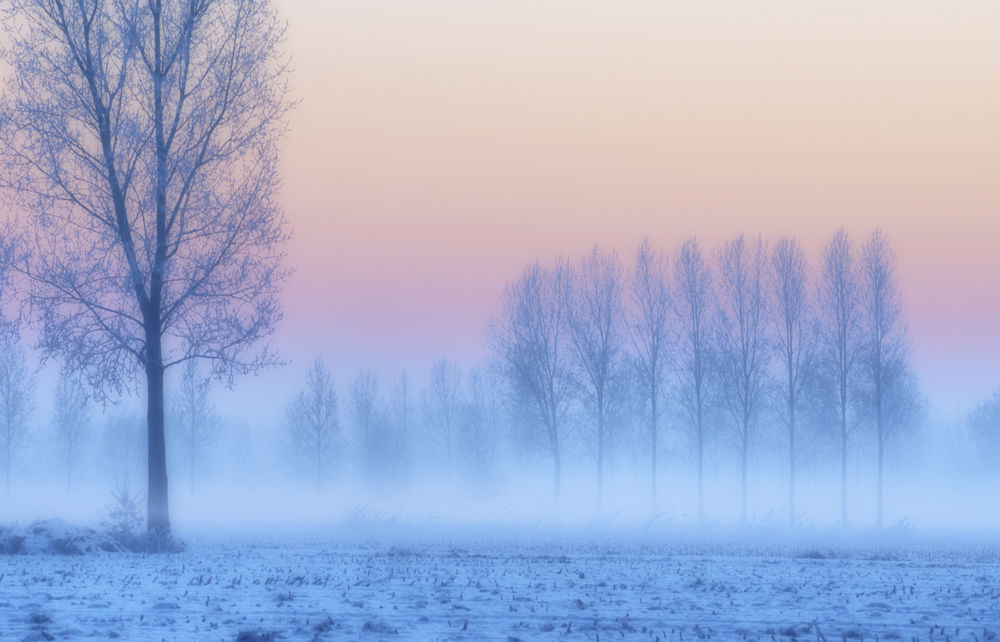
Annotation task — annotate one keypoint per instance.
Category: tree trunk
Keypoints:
(158, 513)
(652, 462)
(600, 464)
(448, 450)
(881, 452)
(843, 468)
(158, 509)
(553, 429)
(879, 428)
(701, 475)
(743, 477)
(556, 476)
(791, 464)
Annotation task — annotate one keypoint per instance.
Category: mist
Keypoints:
(442, 321)
(460, 445)
(936, 485)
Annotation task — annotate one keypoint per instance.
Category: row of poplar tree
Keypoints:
(735, 330)
(724, 330)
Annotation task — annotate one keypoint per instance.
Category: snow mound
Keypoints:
(55, 537)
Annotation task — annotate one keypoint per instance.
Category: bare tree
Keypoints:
(594, 307)
(313, 422)
(983, 425)
(17, 389)
(649, 327)
(890, 390)
(70, 417)
(123, 445)
(196, 424)
(694, 302)
(529, 339)
(403, 419)
(443, 404)
(142, 135)
(790, 274)
(839, 325)
(13, 255)
(240, 446)
(481, 419)
(364, 411)
(16, 383)
(744, 345)
(364, 393)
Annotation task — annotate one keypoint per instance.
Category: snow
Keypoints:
(56, 537)
(334, 589)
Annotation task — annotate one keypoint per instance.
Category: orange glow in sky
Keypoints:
(440, 145)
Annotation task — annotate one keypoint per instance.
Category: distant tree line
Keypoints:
(749, 347)
(727, 344)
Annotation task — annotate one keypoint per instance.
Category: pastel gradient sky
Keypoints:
(442, 144)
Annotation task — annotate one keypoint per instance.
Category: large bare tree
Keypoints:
(529, 338)
(792, 316)
(594, 312)
(648, 328)
(744, 344)
(840, 335)
(694, 302)
(142, 138)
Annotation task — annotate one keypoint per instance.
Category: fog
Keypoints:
(361, 320)
(496, 446)
(250, 479)
(148, 263)
(947, 499)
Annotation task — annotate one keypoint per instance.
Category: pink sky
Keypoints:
(442, 144)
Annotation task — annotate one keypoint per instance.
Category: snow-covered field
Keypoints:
(485, 589)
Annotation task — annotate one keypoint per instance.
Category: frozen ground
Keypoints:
(485, 589)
